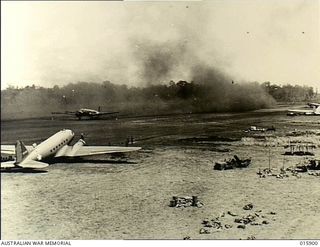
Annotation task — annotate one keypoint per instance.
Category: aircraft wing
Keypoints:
(107, 113)
(95, 150)
(11, 149)
(65, 113)
(313, 104)
(300, 111)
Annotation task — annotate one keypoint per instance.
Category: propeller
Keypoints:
(82, 136)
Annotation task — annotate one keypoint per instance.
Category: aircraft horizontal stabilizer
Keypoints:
(8, 164)
(33, 164)
(65, 112)
(11, 149)
(107, 113)
(8, 149)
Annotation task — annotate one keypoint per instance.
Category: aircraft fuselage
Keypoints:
(87, 113)
(51, 146)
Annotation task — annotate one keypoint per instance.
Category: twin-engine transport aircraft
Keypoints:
(87, 113)
(56, 146)
(312, 105)
(315, 110)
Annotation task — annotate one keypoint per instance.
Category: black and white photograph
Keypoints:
(160, 120)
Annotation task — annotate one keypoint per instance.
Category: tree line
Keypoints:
(172, 97)
(290, 93)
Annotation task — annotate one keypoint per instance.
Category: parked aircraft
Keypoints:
(56, 146)
(314, 111)
(312, 105)
(87, 113)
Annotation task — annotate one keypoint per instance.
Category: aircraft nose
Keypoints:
(70, 132)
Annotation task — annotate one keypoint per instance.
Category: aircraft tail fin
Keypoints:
(99, 109)
(317, 110)
(21, 151)
(8, 164)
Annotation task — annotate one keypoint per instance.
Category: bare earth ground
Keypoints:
(130, 200)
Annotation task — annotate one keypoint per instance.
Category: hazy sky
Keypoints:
(49, 43)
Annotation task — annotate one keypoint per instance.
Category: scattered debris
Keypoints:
(257, 129)
(227, 226)
(255, 224)
(251, 237)
(232, 163)
(205, 221)
(293, 171)
(302, 168)
(272, 128)
(223, 166)
(186, 201)
(204, 231)
(264, 172)
(300, 149)
(214, 223)
(254, 219)
(284, 173)
(208, 139)
(232, 214)
(296, 132)
(241, 226)
(238, 220)
(245, 219)
(248, 206)
(314, 164)
(314, 173)
(299, 153)
(187, 238)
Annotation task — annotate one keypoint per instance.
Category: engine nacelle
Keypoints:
(77, 145)
(80, 143)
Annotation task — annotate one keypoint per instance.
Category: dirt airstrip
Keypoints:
(108, 198)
